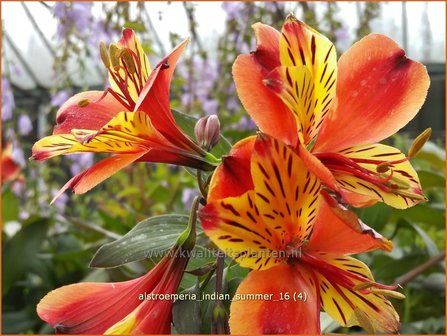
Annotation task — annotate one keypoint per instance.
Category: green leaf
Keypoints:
(186, 314)
(17, 322)
(421, 213)
(10, 206)
(431, 179)
(151, 237)
(187, 123)
(21, 252)
(138, 27)
(429, 244)
(376, 216)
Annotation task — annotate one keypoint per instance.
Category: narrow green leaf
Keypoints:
(150, 238)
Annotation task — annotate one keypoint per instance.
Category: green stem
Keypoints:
(187, 238)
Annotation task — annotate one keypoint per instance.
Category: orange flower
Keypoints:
(139, 306)
(10, 168)
(132, 119)
(334, 113)
(265, 210)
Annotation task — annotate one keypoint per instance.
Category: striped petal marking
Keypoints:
(128, 68)
(306, 81)
(259, 227)
(127, 132)
(380, 172)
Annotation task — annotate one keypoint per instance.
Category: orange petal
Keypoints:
(350, 307)
(340, 231)
(232, 177)
(86, 110)
(257, 307)
(308, 75)
(90, 308)
(269, 113)
(267, 46)
(400, 187)
(287, 194)
(317, 167)
(97, 173)
(154, 100)
(379, 90)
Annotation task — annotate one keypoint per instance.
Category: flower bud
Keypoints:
(207, 131)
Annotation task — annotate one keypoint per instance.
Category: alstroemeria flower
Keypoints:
(294, 89)
(266, 211)
(10, 168)
(132, 119)
(129, 307)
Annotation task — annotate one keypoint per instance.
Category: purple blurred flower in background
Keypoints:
(188, 195)
(342, 37)
(61, 201)
(60, 97)
(232, 9)
(7, 100)
(72, 15)
(210, 106)
(24, 124)
(80, 162)
(245, 124)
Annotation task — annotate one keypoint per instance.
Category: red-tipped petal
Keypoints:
(99, 172)
(233, 178)
(379, 90)
(267, 46)
(86, 110)
(269, 314)
(340, 231)
(91, 308)
(268, 111)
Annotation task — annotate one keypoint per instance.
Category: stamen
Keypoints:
(393, 294)
(128, 61)
(104, 54)
(114, 52)
(419, 142)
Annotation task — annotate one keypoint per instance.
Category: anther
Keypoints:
(104, 54)
(83, 102)
(419, 142)
(393, 294)
(114, 53)
(383, 167)
(128, 61)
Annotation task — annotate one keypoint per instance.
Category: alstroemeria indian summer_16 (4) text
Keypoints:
(334, 113)
(132, 119)
(267, 211)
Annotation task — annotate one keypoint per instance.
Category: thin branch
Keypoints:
(89, 226)
(411, 275)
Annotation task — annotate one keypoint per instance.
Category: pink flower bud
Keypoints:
(207, 131)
